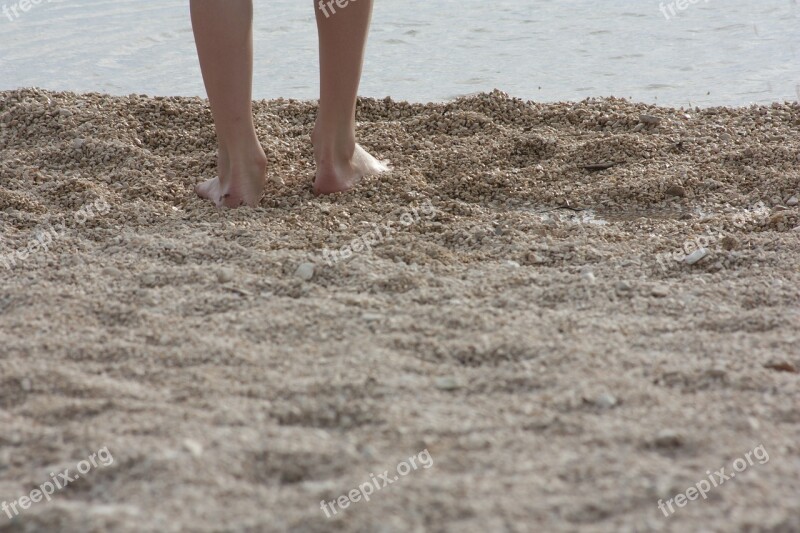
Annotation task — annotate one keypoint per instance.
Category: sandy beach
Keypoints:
(578, 310)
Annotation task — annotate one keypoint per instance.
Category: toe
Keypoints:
(209, 190)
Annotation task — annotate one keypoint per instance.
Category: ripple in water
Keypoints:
(731, 53)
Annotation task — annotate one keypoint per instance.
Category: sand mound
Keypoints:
(578, 309)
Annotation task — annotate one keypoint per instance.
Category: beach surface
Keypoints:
(576, 309)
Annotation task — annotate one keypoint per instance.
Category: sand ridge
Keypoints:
(541, 333)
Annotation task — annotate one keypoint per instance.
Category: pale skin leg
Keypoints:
(223, 34)
(341, 163)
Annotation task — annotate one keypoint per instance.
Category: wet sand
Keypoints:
(578, 309)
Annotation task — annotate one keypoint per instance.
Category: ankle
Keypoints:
(335, 150)
(334, 142)
(246, 157)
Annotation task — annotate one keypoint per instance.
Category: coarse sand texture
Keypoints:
(577, 309)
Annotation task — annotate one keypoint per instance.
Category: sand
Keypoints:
(544, 326)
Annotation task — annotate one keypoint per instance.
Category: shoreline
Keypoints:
(611, 97)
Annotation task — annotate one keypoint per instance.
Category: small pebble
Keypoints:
(676, 190)
(193, 447)
(605, 401)
(777, 217)
(474, 441)
(668, 438)
(650, 120)
(225, 275)
(623, 286)
(77, 144)
(729, 243)
(447, 383)
(660, 291)
(305, 271)
(536, 259)
(782, 366)
(696, 256)
(25, 384)
(793, 201)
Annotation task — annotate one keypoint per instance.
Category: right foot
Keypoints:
(240, 182)
(340, 170)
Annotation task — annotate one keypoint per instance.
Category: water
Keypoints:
(715, 52)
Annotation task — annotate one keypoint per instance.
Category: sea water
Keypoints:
(711, 52)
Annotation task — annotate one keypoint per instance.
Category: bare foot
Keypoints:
(342, 173)
(240, 182)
